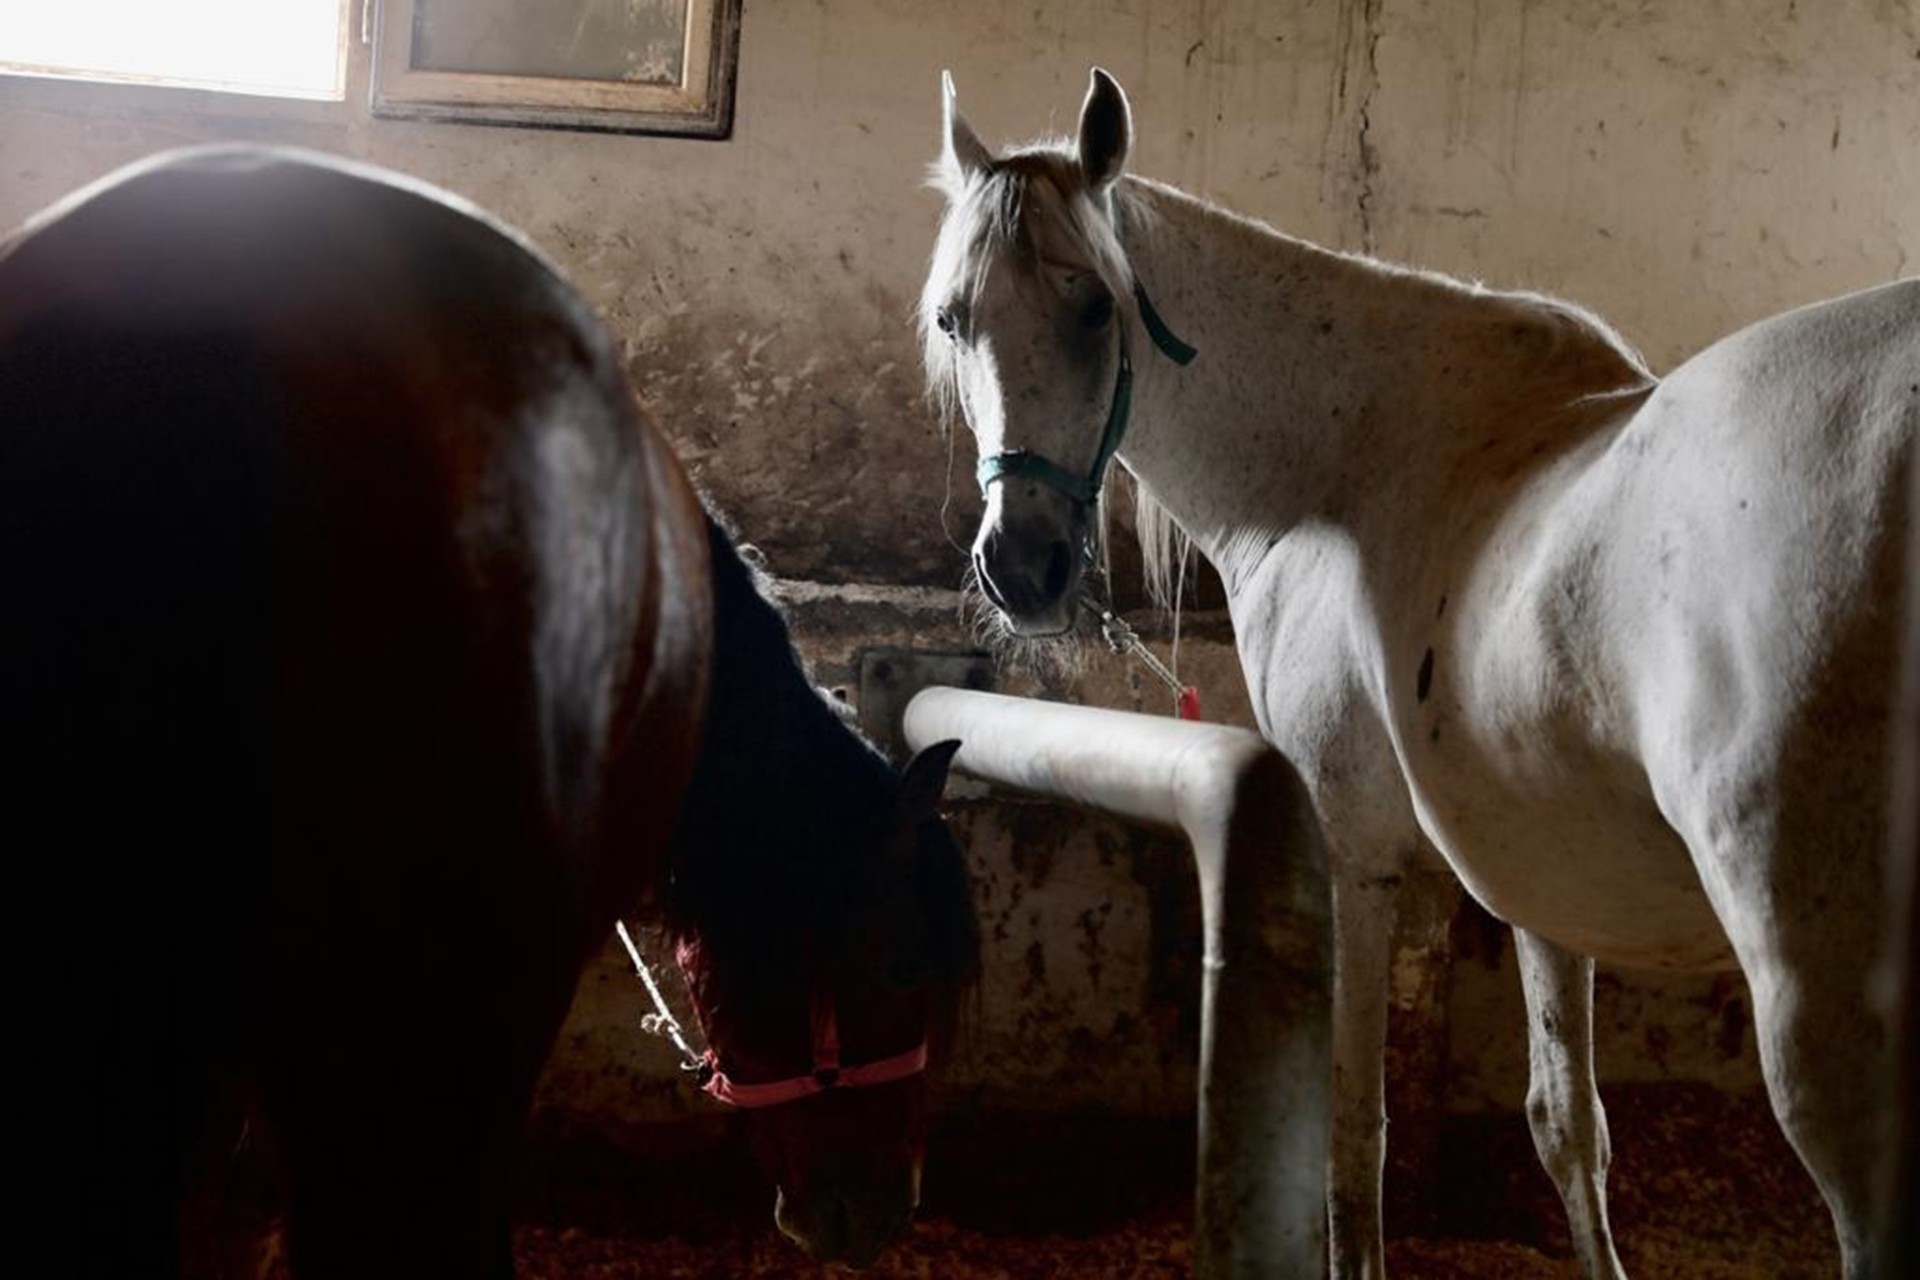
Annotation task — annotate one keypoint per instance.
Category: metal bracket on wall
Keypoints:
(889, 677)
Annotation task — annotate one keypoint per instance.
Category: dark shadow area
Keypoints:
(1074, 1174)
(1703, 1188)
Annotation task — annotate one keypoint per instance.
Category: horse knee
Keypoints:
(1549, 1135)
(1571, 1140)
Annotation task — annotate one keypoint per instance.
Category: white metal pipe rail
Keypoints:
(1265, 1045)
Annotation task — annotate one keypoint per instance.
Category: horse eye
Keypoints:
(1097, 311)
(943, 320)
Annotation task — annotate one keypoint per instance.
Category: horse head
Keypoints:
(1030, 319)
(818, 1026)
(825, 926)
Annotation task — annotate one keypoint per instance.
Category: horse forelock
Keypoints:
(981, 221)
(1032, 206)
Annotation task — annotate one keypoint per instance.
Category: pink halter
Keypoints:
(827, 1071)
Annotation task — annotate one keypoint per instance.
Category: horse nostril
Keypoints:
(1059, 567)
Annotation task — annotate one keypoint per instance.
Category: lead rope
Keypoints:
(661, 1021)
(1122, 639)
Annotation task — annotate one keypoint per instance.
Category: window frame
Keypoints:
(700, 107)
(357, 106)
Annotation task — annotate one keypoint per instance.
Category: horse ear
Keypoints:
(1106, 132)
(923, 780)
(962, 155)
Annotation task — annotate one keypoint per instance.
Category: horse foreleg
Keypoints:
(1563, 1102)
(1365, 906)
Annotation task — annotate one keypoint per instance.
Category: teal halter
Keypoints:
(1085, 490)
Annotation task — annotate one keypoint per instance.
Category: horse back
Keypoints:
(343, 582)
(1832, 377)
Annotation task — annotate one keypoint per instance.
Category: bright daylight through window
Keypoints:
(282, 48)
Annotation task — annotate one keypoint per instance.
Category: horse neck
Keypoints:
(1333, 389)
(784, 794)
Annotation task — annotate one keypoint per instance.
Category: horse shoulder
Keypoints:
(1311, 665)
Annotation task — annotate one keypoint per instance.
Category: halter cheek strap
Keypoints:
(1085, 490)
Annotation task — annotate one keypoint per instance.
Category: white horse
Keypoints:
(1622, 649)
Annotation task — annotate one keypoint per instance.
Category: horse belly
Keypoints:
(1560, 841)
(1590, 863)
(1516, 744)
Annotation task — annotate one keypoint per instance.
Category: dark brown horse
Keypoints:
(354, 663)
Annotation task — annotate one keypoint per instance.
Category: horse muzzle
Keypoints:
(851, 1229)
(1032, 581)
(845, 1165)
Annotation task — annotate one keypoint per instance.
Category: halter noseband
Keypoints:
(827, 1071)
(1084, 491)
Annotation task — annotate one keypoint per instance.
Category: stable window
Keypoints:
(276, 48)
(639, 66)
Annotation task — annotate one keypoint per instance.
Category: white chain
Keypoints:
(661, 1021)
(1122, 639)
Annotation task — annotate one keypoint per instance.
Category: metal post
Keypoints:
(1265, 1044)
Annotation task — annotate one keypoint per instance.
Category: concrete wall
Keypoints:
(1681, 168)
